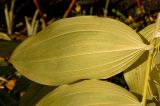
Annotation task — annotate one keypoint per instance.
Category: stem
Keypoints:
(139, 3)
(91, 11)
(146, 83)
(150, 58)
(40, 11)
(69, 8)
(106, 8)
(9, 17)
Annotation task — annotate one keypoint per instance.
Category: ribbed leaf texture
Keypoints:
(90, 93)
(136, 76)
(148, 32)
(83, 47)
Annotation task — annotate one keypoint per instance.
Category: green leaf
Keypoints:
(158, 90)
(148, 32)
(90, 93)
(84, 47)
(35, 93)
(135, 76)
(6, 47)
(151, 104)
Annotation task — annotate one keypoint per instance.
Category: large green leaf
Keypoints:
(136, 76)
(77, 48)
(90, 93)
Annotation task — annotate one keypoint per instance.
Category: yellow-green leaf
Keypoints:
(148, 32)
(83, 47)
(135, 76)
(89, 93)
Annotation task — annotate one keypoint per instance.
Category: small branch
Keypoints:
(69, 8)
(146, 83)
(40, 11)
(91, 11)
(32, 27)
(105, 10)
(139, 2)
(9, 17)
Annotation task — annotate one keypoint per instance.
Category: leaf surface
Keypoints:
(148, 32)
(136, 76)
(89, 93)
(84, 47)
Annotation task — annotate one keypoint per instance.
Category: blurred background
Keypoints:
(130, 11)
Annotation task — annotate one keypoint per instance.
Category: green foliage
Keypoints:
(136, 77)
(35, 92)
(9, 17)
(4, 36)
(32, 27)
(89, 92)
(7, 47)
(87, 47)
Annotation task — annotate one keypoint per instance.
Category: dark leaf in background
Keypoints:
(6, 47)
(22, 84)
(3, 70)
(6, 99)
(35, 93)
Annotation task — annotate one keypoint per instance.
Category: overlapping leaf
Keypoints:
(148, 32)
(89, 93)
(7, 47)
(35, 93)
(84, 47)
(135, 80)
(135, 77)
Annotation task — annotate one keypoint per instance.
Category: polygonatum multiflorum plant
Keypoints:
(90, 48)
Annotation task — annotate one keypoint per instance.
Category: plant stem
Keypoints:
(150, 59)
(9, 16)
(105, 10)
(69, 8)
(146, 83)
(40, 11)
(139, 4)
(91, 11)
